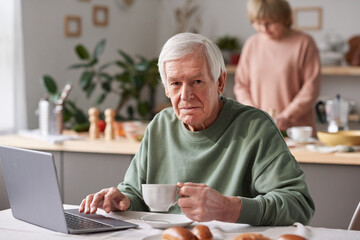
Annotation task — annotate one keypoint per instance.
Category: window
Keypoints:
(12, 104)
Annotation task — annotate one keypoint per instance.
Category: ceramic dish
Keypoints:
(163, 221)
(347, 138)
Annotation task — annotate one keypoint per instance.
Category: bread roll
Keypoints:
(251, 236)
(291, 237)
(202, 232)
(177, 233)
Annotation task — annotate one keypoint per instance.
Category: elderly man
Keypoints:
(229, 161)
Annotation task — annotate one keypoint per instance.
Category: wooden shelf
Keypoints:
(326, 70)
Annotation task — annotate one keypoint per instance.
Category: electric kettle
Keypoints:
(334, 111)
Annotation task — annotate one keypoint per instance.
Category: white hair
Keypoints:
(185, 43)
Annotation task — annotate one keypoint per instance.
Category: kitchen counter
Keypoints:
(128, 147)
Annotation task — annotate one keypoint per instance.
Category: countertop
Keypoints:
(130, 147)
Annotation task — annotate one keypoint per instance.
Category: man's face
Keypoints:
(193, 91)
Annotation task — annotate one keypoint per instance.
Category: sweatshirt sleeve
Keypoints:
(134, 177)
(282, 196)
(309, 71)
(242, 77)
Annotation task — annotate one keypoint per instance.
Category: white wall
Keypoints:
(144, 27)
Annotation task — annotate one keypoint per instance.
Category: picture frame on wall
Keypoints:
(72, 26)
(307, 18)
(100, 15)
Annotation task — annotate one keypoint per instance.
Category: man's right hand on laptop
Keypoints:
(108, 199)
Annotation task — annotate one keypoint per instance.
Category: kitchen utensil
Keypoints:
(336, 111)
(348, 138)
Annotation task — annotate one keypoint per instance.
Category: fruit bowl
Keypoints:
(347, 138)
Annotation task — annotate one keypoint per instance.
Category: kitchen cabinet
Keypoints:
(325, 70)
(85, 173)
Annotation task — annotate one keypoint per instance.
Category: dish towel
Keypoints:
(328, 149)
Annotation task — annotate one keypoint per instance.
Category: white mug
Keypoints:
(159, 197)
(300, 134)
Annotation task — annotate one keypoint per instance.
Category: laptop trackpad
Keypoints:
(100, 218)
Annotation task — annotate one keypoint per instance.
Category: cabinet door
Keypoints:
(86, 173)
(335, 191)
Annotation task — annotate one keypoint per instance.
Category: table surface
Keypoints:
(11, 228)
(124, 146)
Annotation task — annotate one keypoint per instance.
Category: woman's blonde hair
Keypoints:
(277, 10)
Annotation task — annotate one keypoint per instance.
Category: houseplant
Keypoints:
(130, 80)
(228, 45)
(132, 77)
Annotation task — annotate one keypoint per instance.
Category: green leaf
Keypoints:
(90, 89)
(79, 65)
(67, 114)
(106, 65)
(143, 109)
(93, 62)
(124, 77)
(99, 49)
(80, 117)
(106, 76)
(82, 52)
(106, 86)
(49, 84)
(85, 79)
(142, 66)
(100, 99)
(81, 127)
(122, 65)
(54, 97)
(127, 58)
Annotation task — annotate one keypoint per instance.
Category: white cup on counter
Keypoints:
(300, 133)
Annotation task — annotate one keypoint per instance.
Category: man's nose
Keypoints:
(186, 92)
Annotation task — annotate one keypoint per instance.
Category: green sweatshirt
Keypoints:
(241, 154)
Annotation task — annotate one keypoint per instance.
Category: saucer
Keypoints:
(163, 221)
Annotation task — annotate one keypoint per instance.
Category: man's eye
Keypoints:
(175, 84)
(198, 81)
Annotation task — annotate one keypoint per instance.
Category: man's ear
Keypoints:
(221, 82)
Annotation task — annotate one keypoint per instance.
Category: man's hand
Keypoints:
(202, 203)
(108, 199)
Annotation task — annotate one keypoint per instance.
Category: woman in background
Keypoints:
(279, 68)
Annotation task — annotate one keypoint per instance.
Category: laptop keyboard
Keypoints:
(76, 222)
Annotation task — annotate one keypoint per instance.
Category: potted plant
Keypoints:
(132, 78)
(230, 48)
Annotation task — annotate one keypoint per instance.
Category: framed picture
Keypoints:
(72, 26)
(100, 15)
(307, 18)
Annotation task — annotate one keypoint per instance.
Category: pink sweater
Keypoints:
(280, 74)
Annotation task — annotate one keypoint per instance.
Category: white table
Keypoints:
(11, 228)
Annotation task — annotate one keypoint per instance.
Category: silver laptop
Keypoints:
(34, 195)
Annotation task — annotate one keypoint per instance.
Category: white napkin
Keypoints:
(328, 149)
(53, 139)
